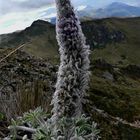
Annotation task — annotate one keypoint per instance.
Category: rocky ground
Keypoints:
(27, 82)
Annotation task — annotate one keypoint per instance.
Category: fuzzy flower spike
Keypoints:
(73, 74)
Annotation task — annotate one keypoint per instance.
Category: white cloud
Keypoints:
(20, 20)
(19, 14)
(19, 0)
(14, 21)
(81, 7)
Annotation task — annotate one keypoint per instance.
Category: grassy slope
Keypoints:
(112, 53)
(119, 98)
(130, 47)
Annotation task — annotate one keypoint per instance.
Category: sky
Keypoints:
(19, 14)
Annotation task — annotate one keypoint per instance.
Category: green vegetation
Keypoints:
(110, 51)
(129, 47)
(40, 127)
(1, 116)
(119, 98)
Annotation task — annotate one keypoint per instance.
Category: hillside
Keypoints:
(113, 39)
(30, 73)
(41, 36)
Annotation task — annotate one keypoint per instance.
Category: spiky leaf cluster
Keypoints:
(82, 127)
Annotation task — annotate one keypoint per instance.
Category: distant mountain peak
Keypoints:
(117, 4)
(40, 22)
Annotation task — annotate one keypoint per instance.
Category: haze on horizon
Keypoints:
(19, 14)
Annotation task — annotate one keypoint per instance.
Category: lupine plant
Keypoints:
(73, 73)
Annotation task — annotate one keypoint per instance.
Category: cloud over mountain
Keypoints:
(18, 14)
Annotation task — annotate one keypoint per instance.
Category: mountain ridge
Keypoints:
(100, 33)
(115, 9)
